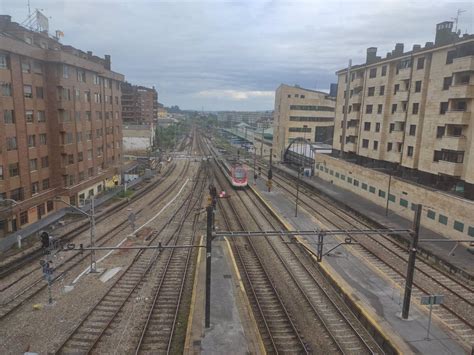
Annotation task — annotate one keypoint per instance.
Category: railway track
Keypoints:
(19, 263)
(96, 326)
(278, 331)
(389, 257)
(341, 324)
(37, 285)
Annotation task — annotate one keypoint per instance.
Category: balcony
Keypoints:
(66, 148)
(356, 98)
(358, 81)
(452, 143)
(66, 126)
(463, 64)
(457, 117)
(350, 147)
(465, 91)
(403, 73)
(401, 95)
(448, 168)
(396, 135)
(352, 131)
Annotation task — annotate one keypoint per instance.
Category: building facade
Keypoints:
(412, 112)
(139, 104)
(301, 113)
(60, 125)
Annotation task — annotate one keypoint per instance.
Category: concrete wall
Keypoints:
(444, 213)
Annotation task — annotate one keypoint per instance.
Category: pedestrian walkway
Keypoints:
(462, 257)
(380, 298)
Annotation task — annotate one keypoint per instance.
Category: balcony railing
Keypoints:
(463, 64)
(461, 91)
(457, 117)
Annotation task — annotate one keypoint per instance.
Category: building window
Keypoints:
(391, 198)
(372, 189)
(447, 81)
(410, 151)
(376, 145)
(392, 127)
(394, 108)
(470, 231)
(418, 86)
(404, 106)
(3, 61)
(373, 73)
(450, 56)
(364, 186)
(33, 164)
(34, 188)
(45, 184)
(365, 143)
(379, 108)
(389, 146)
(23, 218)
(412, 129)
(40, 116)
(443, 107)
(377, 127)
(371, 91)
(1, 172)
(29, 116)
(382, 90)
(31, 141)
(368, 109)
(403, 202)
(384, 70)
(87, 96)
(38, 67)
(11, 143)
(8, 116)
(28, 91)
(421, 63)
(49, 205)
(431, 214)
(81, 75)
(39, 92)
(44, 162)
(25, 66)
(442, 219)
(382, 193)
(65, 71)
(415, 108)
(6, 89)
(80, 156)
(13, 169)
(459, 226)
(43, 138)
(396, 88)
(366, 126)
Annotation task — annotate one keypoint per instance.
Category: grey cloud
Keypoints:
(233, 48)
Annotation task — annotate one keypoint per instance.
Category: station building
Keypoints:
(412, 112)
(60, 125)
(301, 113)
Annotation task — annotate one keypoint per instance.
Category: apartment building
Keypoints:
(301, 113)
(412, 112)
(139, 104)
(60, 125)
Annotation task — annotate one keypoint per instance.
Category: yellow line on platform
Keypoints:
(395, 341)
(245, 300)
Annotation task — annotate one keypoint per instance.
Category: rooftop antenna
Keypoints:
(456, 19)
(29, 9)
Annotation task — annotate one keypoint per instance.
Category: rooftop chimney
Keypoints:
(389, 55)
(444, 33)
(107, 62)
(371, 55)
(398, 49)
(416, 47)
(429, 44)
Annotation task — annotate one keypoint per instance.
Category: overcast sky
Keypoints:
(232, 55)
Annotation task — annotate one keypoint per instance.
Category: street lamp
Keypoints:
(91, 217)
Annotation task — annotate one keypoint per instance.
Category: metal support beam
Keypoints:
(210, 212)
(411, 262)
(275, 233)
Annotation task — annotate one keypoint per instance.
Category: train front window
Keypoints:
(239, 174)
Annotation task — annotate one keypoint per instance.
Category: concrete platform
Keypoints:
(462, 257)
(369, 289)
(233, 329)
